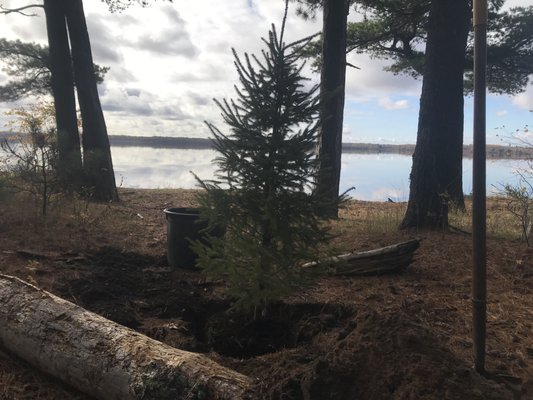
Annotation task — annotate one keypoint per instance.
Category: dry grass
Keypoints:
(363, 217)
(501, 224)
(357, 217)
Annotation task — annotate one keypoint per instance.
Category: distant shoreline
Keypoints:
(167, 142)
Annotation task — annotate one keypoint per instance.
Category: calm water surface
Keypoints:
(375, 176)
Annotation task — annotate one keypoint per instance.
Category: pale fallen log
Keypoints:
(102, 358)
(384, 260)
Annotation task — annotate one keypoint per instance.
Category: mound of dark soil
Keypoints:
(388, 356)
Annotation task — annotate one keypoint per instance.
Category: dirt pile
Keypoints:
(387, 356)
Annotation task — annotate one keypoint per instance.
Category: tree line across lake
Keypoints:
(494, 151)
(167, 142)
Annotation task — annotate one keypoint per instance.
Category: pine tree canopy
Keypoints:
(121, 5)
(28, 67)
(509, 51)
(396, 30)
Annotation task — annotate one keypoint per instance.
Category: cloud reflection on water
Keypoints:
(375, 176)
(146, 167)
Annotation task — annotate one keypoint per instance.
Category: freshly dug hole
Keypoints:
(287, 326)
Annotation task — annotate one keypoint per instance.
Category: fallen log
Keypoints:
(385, 260)
(102, 358)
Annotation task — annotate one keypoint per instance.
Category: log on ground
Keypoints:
(102, 358)
(384, 260)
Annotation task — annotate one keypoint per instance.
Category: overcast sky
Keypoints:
(168, 62)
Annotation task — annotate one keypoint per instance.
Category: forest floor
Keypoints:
(402, 336)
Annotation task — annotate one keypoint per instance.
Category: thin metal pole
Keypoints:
(479, 211)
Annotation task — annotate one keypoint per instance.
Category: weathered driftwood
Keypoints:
(102, 358)
(384, 260)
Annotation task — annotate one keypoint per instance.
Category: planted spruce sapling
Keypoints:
(263, 192)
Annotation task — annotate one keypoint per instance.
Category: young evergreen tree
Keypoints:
(264, 189)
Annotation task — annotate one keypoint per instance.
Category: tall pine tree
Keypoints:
(264, 190)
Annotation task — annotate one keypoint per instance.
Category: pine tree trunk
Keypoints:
(98, 164)
(69, 164)
(102, 358)
(436, 175)
(332, 87)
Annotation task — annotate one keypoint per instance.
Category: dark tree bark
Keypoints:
(98, 164)
(436, 175)
(69, 164)
(333, 77)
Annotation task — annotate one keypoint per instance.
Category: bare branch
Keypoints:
(20, 10)
(351, 65)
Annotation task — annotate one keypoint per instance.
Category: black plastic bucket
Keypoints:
(182, 226)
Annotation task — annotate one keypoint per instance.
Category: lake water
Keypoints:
(375, 176)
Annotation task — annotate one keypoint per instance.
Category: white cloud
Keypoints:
(170, 59)
(525, 100)
(389, 104)
(172, 37)
(502, 113)
(370, 80)
(134, 101)
(105, 46)
(517, 3)
(16, 26)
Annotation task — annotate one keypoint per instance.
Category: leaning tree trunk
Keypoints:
(332, 88)
(96, 148)
(436, 175)
(102, 358)
(69, 153)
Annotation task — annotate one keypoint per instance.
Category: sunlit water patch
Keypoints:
(375, 177)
